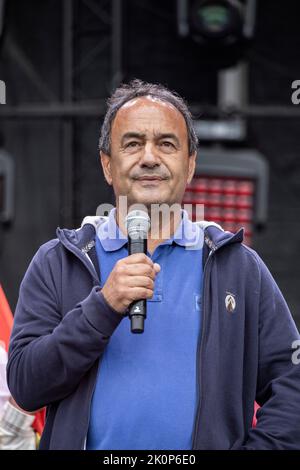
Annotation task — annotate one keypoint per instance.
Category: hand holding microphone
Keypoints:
(131, 281)
(132, 278)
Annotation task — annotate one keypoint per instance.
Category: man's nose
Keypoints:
(150, 156)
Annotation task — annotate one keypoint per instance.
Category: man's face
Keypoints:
(149, 161)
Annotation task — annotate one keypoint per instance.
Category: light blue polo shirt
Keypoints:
(146, 392)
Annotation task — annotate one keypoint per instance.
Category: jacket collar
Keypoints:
(84, 237)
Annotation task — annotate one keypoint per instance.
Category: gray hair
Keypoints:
(137, 88)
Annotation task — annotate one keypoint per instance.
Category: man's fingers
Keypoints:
(140, 281)
(137, 293)
(141, 259)
(138, 258)
(156, 267)
(140, 270)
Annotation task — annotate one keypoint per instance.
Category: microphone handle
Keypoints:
(137, 309)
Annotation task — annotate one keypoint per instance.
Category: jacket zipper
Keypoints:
(200, 346)
(82, 256)
(84, 441)
(83, 446)
(88, 263)
(200, 351)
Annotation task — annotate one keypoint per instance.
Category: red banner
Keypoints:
(6, 322)
(6, 319)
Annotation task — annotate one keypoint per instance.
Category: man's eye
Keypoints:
(165, 143)
(132, 144)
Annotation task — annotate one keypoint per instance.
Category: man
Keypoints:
(218, 333)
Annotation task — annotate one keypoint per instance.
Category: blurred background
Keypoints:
(235, 62)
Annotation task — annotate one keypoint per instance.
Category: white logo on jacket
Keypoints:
(230, 302)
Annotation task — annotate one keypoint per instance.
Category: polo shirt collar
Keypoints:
(187, 234)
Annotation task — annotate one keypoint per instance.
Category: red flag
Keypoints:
(6, 322)
(6, 319)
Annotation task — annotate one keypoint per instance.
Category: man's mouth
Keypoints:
(150, 178)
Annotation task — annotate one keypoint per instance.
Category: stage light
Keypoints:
(219, 21)
(223, 29)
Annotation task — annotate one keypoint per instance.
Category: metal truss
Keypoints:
(65, 107)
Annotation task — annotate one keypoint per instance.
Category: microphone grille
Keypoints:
(137, 223)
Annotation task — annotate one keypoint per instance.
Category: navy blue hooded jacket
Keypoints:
(63, 324)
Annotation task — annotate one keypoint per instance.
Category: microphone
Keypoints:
(137, 224)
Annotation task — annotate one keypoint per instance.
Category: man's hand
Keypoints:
(132, 278)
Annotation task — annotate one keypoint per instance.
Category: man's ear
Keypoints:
(105, 162)
(192, 166)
